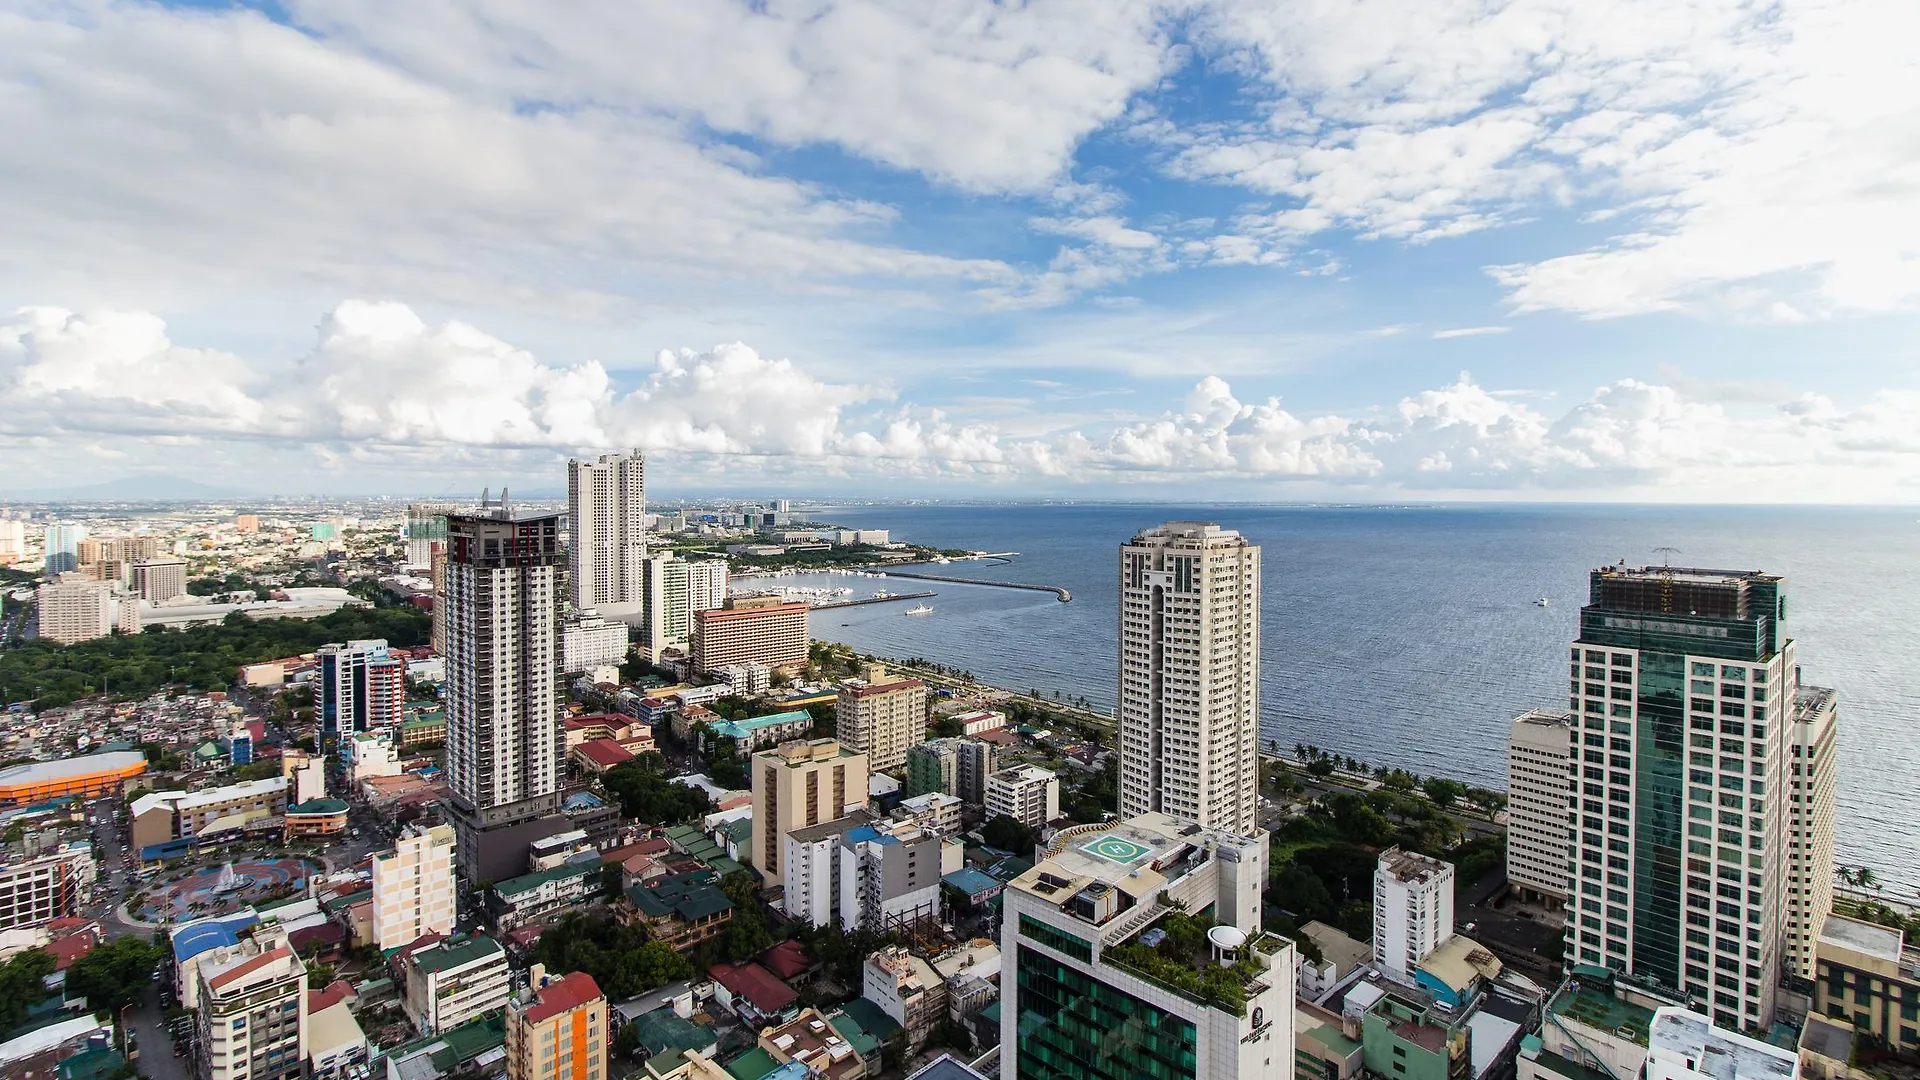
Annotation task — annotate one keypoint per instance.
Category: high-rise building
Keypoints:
(359, 686)
(503, 691)
(1189, 680)
(159, 579)
(1537, 847)
(588, 641)
(932, 766)
(1686, 688)
(13, 540)
(63, 547)
(706, 584)
(1412, 910)
(1075, 998)
(795, 785)
(557, 1029)
(1812, 762)
(607, 511)
(426, 529)
(761, 630)
(252, 1010)
(673, 590)
(246, 523)
(437, 574)
(413, 887)
(1028, 794)
(881, 716)
(72, 609)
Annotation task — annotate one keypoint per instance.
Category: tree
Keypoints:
(646, 794)
(1442, 791)
(20, 986)
(1007, 834)
(115, 973)
(1320, 767)
(1300, 893)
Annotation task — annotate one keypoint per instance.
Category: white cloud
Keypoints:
(381, 384)
(1469, 331)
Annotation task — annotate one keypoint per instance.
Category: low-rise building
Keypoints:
(1684, 1045)
(454, 980)
(1595, 1024)
(557, 1029)
(1028, 794)
(337, 1048)
(86, 777)
(1866, 976)
(936, 812)
(680, 910)
(588, 640)
(160, 816)
(518, 901)
(812, 1042)
(316, 818)
(756, 995)
(1339, 955)
(972, 977)
(760, 732)
(39, 888)
(908, 990)
(596, 756)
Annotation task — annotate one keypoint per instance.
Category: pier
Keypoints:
(1062, 594)
(873, 600)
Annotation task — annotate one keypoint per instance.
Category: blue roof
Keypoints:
(195, 938)
(862, 833)
(582, 800)
(972, 882)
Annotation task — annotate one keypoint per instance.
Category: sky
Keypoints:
(1651, 250)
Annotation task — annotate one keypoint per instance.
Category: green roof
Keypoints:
(432, 719)
(529, 882)
(752, 1065)
(1605, 1012)
(462, 1044)
(663, 1031)
(690, 896)
(319, 806)
(453, 952)
(334, 905)
(95, 1064)
(878, 1025)
(859, 1038)
(1333, 1039)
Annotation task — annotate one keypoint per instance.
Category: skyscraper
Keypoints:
(1537, 803)
(63, 547)
(359, 686)
(607, 509)
(503, 691)
(1189, 658)
(1688, 700)
(426, 527)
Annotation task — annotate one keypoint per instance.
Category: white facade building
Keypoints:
(607, 511)
(1189, 688)
(158, 580)
(1099, 887)
(504, 691)
(73, 609)
(1538, 849)
(252, 1011)
(413, 891)
(706, 585)
(450, 982)
(37, 889)
(588, 641)
(1412, 910)
(1684, 1045)
(1028, 794)
(1813, 760)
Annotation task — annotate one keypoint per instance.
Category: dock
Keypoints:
(1060, 593)
(873, 600)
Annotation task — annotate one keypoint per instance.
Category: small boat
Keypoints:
(920, 609)
(1542, 602)
(881, 594)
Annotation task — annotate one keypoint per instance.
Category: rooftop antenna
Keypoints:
(1666, 577)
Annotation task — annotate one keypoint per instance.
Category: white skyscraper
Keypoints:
(503, 691)
(1189, 681)
(607, 508)
(1537, 785)
(1412, 909)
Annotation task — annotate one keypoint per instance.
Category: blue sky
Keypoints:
(1242, 248)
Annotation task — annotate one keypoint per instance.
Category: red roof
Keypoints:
(881, 688)
(788, 959)
(255, 964)
(603, 752)
(599, 720)
(562, 995)
(70, 948)
(762, 988)
(336, 992)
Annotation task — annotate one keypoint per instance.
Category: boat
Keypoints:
(1542, 602)
(920, 609)
(881, 594)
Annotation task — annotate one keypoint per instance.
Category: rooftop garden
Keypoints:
(1181, 960)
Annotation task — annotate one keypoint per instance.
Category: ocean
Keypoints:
(1409, 635)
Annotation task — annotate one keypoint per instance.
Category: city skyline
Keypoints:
(1235, 247)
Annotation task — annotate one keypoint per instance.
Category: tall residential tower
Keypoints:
(1189, 680)
(1688, 704)
(607, 509)
(503, 692)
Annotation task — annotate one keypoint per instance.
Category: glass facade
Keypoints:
(1071, 1025)
(1658, 827)
(1057, 940)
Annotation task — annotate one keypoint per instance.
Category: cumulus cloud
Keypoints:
(382, 383)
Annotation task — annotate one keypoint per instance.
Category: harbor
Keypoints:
(887, 598)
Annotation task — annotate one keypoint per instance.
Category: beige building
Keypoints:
(908, 990)
(1811, 763)
(158, 580)
(1537, 789)
(1189, 720)
(882, 717)
(757, 630)
(1028, 794)
(1865, 975)
(73, 608)
(252, 1011)
(413, 887)
(160, 816)
(557, 1029)
(607, 512)
(796, 785)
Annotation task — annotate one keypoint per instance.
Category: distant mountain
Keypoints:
(154, 487)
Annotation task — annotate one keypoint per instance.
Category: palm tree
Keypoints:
(1867, 879)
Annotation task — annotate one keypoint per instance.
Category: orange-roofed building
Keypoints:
(557, 1031)
(87, 777)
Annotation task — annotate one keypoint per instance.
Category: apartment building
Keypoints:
(413, 889)
(451, 981)
(758, 630)
(557, 1029)
(1538, 849)
(1412, 910)
(158, 580)
(797, 785)
(881, 716)
(1028, 794)
(37, 888)
(252, 1010)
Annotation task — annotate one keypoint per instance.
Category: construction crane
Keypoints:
(1666, 577)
